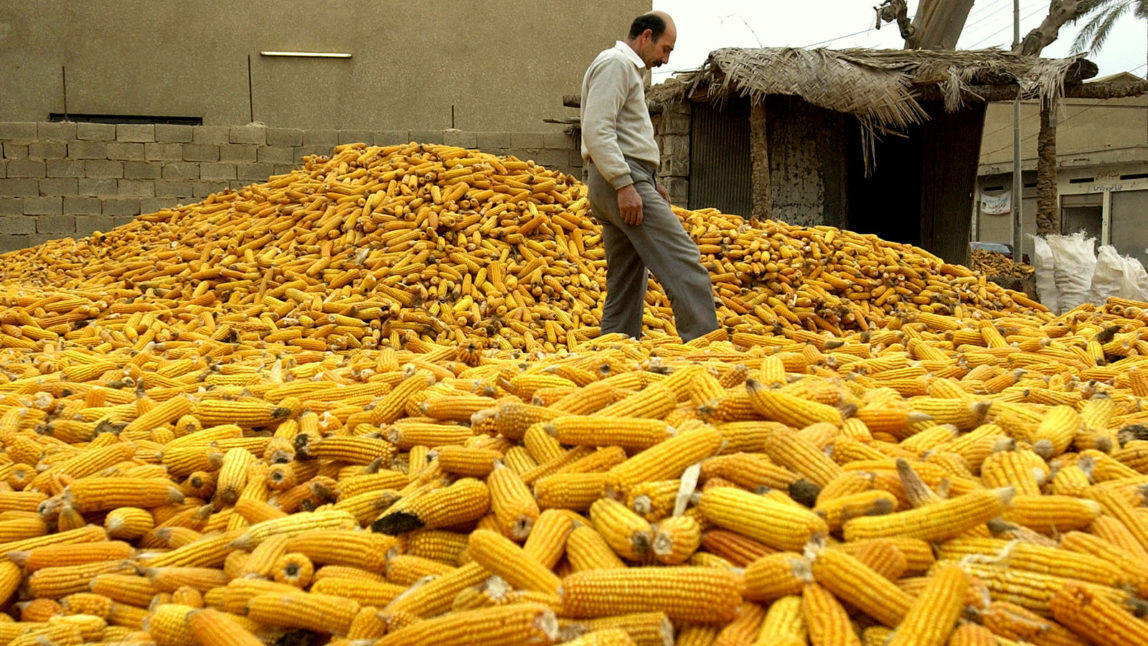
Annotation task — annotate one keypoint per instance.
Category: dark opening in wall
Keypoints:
(126, 118)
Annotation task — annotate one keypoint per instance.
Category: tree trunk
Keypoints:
(759, 156)
(1047, 217)
(938, 24)
(1059, 12)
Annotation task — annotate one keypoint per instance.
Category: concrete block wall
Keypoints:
(672, 131)
(70, 179)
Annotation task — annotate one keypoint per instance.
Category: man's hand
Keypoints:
(662, 191)
(630, 205)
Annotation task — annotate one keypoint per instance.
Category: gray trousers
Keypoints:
(658, 243)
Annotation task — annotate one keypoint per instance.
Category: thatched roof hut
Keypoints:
(884, 142)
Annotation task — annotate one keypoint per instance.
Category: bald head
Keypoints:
(653, 36)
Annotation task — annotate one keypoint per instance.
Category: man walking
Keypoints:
(638, 229)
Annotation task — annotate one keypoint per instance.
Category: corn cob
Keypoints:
(825, 619)
(778, 525)
(699, 595)
(514, 624)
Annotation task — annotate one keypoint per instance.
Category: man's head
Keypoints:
(652, 36)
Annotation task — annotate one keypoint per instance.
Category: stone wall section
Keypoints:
(64, 179)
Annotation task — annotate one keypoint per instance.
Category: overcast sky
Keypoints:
(711, 24)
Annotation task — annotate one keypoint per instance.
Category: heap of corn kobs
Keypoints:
(190, 462)
(455, 244)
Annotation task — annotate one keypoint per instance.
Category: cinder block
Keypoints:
(255, 172)
(65, 168)
(135, 132)
(217, 171)
(455, 137)
(142, 170)
(96, 187)
(43, 206)
(255, 135)
(96, 131)
(3, 169)
(320, 150)
(181, 170)
(89, 224)
(153, 204)
(676, 166)
(557, 140)
(284, 137)
(426, 136)
(56, 224)
(172, 133)
(174, 188)
(16, 242)
(135, 188)
(18, 130)
(210, 135)
(487, 141)
(326, 138)
(87, 150)
(76, 205)
(527, 140)
(121, 206)
(392, 137)
(275, 155)
(103, 168)
(12, 225)
(56, 130)
(205, 188)
(163, 151)
(59, 186)
(237, 153)
(19, 187)
(47, 150)
(123, 151)
(26, 168)
(283, 169)
(11, 206)
(200, 152)
(356, 137)
(15, 150)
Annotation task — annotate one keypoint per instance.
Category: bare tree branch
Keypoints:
(1059, 12)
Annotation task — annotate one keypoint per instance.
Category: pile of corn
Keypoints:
(186, 464)
(456, 244)
(991, 263)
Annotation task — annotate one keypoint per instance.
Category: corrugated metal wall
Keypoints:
(720, 167)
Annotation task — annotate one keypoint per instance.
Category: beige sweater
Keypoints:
(615, 119)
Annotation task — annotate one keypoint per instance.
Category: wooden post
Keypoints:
(759, 155)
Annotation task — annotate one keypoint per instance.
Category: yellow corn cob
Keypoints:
(749, 470)
(366, 593)
(825, 619)
(239, 591)
(213, 628)
(540, 444)
(745, 628)
(76, 554)
(499, 555)
(784, 623)
(698, 595)
(438, 545)
(101, 494)
(932, 617)
(206, 551)
(874, 502)
(295, 524)
(676, 539)
(654, 500)
(1095, 617)
(168, 625)
(467, 461)
(294, 569)
(586, 549)
(627, 533)
(663, 461)
(789, 409)
(86, 603)
(794, 452)
(779, 525)
(853, 581)
(405, 569)
(1052, 513)
(169, 579)
(246, 414)
(352, 450)
(233, 474)
(57, 582)
(187, 596)
(462, 502)
(128, 523)
(880, 555)
(353, 547)
(935, 522)
(511, 419)
(131, 590)
(626, 432)
(1011, 621)
(575, 491)
(653, 402)
(391, 406)
(368, 624)
(1020, 469)
(774, 576)
(1030, 590)
(435, 596)
(315, 612)
(406, 435)
(345, 572)
(518, 624)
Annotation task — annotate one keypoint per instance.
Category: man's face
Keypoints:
(657, 52)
